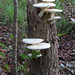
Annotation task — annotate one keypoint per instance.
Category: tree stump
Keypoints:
(42, 28)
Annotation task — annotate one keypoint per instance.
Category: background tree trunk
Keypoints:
(41, 28)
(15, 34)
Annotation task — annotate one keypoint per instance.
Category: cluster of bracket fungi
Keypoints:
(36, 44)
(45, 6)
(48, 6)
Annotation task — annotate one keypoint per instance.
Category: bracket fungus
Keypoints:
(47, 6)
(55, 18)
(43, 6)
(39, 46)
(53, 11)
(32, 40)
(36, 45)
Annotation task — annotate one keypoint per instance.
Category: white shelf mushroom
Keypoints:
(39, 46)
(48, 1)
(43, 6)
(55, 18)
(32, 40)
(52, 11)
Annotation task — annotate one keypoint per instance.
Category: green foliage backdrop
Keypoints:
(7, 11)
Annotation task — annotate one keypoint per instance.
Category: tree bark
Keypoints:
(15, 38)
(42, 28)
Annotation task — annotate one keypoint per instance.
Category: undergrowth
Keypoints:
(7, 11)
(65, 25)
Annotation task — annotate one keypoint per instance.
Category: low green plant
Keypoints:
(7, 11)
(3, 55)
(64, 26)
(33, 55)
(7, 66)
(7, 14)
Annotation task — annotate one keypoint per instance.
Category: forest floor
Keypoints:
(66, 51)
(67, 54)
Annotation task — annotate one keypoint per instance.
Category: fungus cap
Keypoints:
(39, 46)
(32, 40)
(53, 10)
(44, 5)
(49, 0)
(55, 18)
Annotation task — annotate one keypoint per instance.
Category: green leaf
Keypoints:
(27, 57)
(38, 53)
(11, 36)
(24, 56)
(7, 66)
(19, 68)
(60, 35)
(2, 54)
(2, 45)
(28, 50)
(34, 55)
(24, 69)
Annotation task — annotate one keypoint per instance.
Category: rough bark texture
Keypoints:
(41, 28)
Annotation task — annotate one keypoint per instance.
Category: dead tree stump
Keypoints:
(42, 28)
